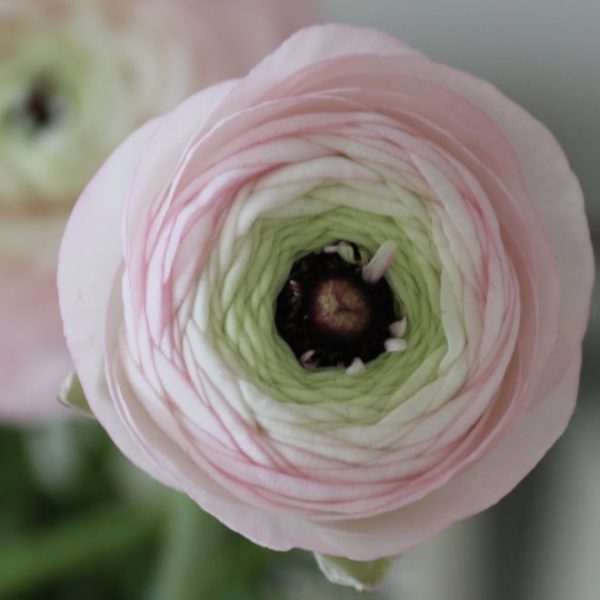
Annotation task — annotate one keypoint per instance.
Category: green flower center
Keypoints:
(246, 276)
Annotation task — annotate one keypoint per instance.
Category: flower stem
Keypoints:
(200, 558)
(187, 552)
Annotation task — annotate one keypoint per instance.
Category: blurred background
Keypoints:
(77, 522)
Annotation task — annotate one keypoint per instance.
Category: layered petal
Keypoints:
(343, 142)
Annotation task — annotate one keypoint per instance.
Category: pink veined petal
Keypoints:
(555, 192)
(473, 490)
(303, 49)
(155, 166)
(92, 239)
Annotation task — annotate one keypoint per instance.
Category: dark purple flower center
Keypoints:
(328, 315)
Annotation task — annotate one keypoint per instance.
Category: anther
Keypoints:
(394, 345)
(308, 360)
(356, 366)
(397, 329)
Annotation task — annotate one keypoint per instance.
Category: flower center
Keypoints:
(330, 313)
(339, 307)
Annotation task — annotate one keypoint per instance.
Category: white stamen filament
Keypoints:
(356, 366)
(398, 328)
(376, 268)
(395, 345)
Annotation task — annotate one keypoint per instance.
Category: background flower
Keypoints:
(76, 76)
(341, 134)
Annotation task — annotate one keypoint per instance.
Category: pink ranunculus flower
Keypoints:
(338, 302)
(76, 77)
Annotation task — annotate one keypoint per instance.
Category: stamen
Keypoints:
(398, 328)
(356, 366)
(328, 315)
(376, 268)
(296, 288)
(308, 360)
(344, 250)
(394, 345)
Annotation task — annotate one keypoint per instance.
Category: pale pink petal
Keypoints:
(477, 488)
(554, 190)
(91, 239)
(309, 47)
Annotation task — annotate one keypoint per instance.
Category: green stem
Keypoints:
(187, 556)
(80, 542)
(200, 558)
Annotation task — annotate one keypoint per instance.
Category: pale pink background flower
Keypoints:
(333, 105)
(138, 58)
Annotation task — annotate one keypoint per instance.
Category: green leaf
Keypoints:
(362, 576)
(71, 546)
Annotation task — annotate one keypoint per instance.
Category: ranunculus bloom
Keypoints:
(338, 302)
(77, 76)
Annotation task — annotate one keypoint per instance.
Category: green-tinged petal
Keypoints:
(240, 320)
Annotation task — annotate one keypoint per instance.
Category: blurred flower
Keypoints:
(76, 76)
(340, 301)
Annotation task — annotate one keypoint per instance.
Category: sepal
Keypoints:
(72, 396)
(362, 576)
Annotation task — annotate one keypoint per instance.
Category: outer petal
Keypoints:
(89, 259)
(557, 196)
(477, 488)
(89, 263)
(310, 46)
